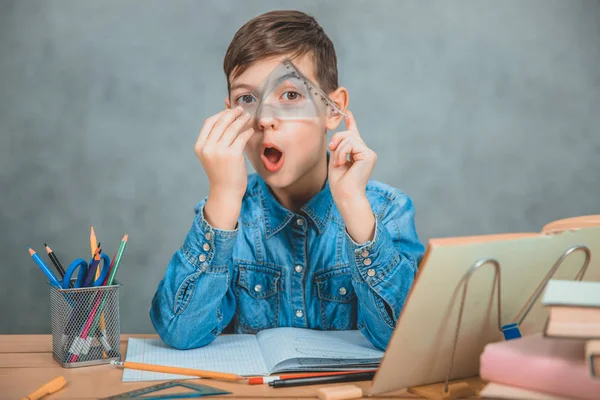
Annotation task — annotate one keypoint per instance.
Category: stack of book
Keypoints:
(562, 362)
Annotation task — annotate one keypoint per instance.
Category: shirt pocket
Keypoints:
(257, 293)
(337, 298)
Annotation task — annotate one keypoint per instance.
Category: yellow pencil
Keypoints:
(94, 247)
(178, 371)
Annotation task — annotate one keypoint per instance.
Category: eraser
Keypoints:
(340, 392)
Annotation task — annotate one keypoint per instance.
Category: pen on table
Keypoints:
(258, 380)
(178, 371)
(361, 376)
(43, 267)
(56, 262)
(51, 387)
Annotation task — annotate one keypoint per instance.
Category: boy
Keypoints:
(308, 241)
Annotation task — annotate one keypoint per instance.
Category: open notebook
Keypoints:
(270, 351)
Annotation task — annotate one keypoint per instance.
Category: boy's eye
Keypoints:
(244, 99)
(291, 95)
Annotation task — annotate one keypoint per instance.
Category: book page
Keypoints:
(308, 347)
(238, 354)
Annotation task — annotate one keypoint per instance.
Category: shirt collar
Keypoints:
(276, 217)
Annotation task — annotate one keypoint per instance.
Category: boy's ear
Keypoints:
(227, 103)
(341, 98)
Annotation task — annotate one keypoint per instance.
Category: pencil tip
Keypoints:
(31, 251)
(125, 238)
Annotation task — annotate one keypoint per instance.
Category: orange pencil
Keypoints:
(93, 241)
(178, 371)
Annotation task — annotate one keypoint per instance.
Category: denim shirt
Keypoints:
(280, 268)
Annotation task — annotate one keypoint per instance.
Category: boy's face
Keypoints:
(290, 129)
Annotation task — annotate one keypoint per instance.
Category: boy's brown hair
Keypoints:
(280, 32)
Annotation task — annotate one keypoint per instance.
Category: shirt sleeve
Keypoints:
(194, 301)
(384, 269)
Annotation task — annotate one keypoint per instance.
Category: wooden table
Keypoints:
(26, 363)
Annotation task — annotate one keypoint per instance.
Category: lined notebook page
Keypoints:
(238, 354)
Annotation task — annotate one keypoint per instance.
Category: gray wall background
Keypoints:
(486, 113)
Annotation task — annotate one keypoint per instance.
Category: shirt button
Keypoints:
(202, 257)
(206, 247)
(298, 268)
(371, 272)
(364, 254)
(367, 261)
(299, 313)
(258, 288)
(343, 291)
(208, 236)
(300, 221)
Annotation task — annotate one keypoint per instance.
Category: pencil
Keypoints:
(258, 380)
(56, 262)
(43, 267)
(92, 270)
(361, 376)
(179, 371)
(98, 271)
(93, 241)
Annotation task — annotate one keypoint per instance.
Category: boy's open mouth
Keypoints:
(272, 157)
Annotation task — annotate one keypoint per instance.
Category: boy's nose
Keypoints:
(267, 122)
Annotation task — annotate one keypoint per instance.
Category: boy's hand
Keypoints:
(348, 180)
(220, 148)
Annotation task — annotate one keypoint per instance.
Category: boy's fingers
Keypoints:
(350, 122)
(241, 139)
(234, 129)
(344, 148)
(226, 119)
(207, 127)
(337, 138)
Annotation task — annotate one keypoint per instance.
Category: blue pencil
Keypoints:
(44, 268)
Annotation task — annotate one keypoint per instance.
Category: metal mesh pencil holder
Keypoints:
(85, 325)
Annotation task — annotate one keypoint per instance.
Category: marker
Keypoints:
(44, 268)
(56, 262)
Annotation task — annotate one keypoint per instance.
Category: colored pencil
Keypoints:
(55, 261)
(98, 271)
(89, 278)
(258, 380)
(178, 370)
(44, 267)
(361, 376)
(93, 241)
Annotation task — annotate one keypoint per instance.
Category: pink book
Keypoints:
(549, 365)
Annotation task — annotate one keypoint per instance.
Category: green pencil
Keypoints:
(120, 252)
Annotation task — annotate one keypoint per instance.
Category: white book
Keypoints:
(572, 293)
